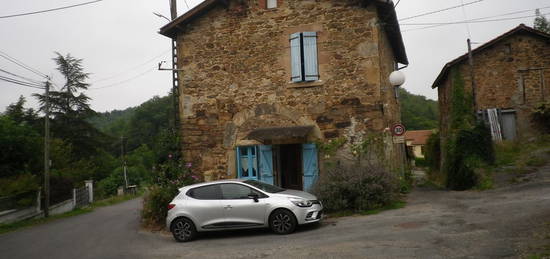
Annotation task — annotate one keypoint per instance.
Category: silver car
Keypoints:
(239, 204)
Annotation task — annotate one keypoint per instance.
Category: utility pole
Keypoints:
(47, 152)
(175, 77)
(471, 63)
(123, 157)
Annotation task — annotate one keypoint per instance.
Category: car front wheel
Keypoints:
(183, 230)
(282, 222)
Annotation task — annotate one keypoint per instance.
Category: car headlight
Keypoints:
(301, 202)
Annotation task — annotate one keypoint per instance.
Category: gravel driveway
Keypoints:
(435, 224)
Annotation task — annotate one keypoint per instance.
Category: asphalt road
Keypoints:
(435, 224)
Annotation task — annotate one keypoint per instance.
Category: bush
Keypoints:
(155, 204)
(468, 150)
(170, 176)
(433, 152)
(356, 188)
(541, 116)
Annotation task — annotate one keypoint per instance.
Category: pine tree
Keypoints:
(541, 23)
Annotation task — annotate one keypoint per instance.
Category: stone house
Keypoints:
(510, 74)
(416, 141)
(263, 81)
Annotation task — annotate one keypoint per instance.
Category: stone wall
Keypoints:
(236, 64)
(500, 84)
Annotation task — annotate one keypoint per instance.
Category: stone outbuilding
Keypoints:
(263, 81)
(416, 141)
(510, 74)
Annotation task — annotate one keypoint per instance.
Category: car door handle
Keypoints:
(228, 207)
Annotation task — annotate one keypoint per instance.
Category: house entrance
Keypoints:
(290, 166)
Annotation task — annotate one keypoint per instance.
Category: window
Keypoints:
(232, 191)
(247, 162)
(271, 4)
(209, 192)
(303, 51)
(264, 186)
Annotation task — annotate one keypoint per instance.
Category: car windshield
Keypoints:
(264, 186)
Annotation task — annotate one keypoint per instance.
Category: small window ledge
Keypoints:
(305, 84)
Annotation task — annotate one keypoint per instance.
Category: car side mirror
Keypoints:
(254, 196)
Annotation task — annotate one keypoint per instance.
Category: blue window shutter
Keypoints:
(266, 164)
(296, 57)
(311, 169)
(311, 66)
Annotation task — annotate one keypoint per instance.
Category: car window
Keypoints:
(209, 192)
(264, 186)
(233, 191)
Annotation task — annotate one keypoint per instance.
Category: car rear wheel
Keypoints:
(183, 230)
(282, 222)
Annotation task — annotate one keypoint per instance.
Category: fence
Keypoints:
(18, 201)
(81, 197)
(27, 205)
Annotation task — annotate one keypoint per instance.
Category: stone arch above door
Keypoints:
(264, 116)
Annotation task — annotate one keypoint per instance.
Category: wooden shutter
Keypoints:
(266, 164)
(311, 66)
(311, 169)
(296, 57)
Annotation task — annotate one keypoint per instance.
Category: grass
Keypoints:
(5, 228)
(346, 213)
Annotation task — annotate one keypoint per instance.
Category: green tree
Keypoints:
(541, 23)
(418, 112)
(70, 108)
(21, 148)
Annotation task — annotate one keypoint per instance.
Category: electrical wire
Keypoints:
(130, 69)
(466, 18)
(482, 18)
(185, 1)
(21, 64)
(21, 77)
(17, 82)
(479, 20)
(49, 10)
(124, 81)
(441, 10)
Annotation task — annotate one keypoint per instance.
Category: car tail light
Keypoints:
(171, 206)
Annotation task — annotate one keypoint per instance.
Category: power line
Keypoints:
(50, 10)
(477, 19)
(132, 68)
(17, 82)
(124, 81)
(21, 64)
(441, 10)
(466, 17)
(21, 77)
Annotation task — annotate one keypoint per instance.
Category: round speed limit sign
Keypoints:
(398, 130)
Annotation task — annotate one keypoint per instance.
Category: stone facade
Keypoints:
(507, 76)
(236, 78)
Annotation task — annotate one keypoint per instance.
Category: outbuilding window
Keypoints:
(304, 61)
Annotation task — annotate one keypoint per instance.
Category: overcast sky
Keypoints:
(120, 46)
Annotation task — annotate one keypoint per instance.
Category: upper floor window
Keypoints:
(304, 62)
(271, 4)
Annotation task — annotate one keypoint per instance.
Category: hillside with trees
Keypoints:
(418, 112)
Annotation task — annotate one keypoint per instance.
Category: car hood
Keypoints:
(301, 194)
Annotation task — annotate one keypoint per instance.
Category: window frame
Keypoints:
(261, 195)
(307, 62)
(189, 193)
(267, 2)
(252, 161)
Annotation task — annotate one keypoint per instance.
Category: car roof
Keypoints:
(184, 188)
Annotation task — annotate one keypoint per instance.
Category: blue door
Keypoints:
(311, 169)
(266, 164)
